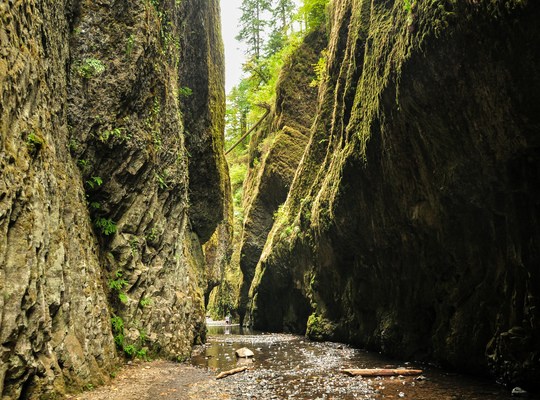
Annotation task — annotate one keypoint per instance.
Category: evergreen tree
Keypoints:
(282, 17)
(237, 110)
(253, 22)
(283, 12)
(314, 13)
(276, 42)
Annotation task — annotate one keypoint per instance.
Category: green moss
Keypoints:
(319, 328)
(379, 42)
(90, 68)
(225, 297)
(34, 143)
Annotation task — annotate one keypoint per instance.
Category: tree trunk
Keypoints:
(382, 372)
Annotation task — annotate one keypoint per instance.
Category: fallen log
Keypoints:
(382, 372)
(224, 374)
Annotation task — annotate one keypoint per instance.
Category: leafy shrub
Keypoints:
(320, 70)
(118, 133)
(94, 182)
(106, 225)
(124, 299)
(145, 302)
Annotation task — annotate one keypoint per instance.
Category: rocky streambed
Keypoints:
(286, 367)
(291, 367)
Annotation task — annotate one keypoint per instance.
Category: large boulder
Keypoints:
(244, 352)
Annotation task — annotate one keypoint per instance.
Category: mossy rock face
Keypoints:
(414, 180)
(276, 173)
(95, 187)
(201, 74)
(54, 327)
(218, 251)
(133, 123)
(296, 96)
(277, 148)
(319, 328)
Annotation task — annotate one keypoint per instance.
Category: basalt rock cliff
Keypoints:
(105, 141)
(412, 223)
(275, 152)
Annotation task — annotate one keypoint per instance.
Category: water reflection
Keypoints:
(287, 363)
(223, 341)
(228, 330)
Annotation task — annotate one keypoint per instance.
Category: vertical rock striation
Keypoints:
(95, 187)
(202, 101)
(54, 318)
(412, 223)
(202, 83)
(275, 152)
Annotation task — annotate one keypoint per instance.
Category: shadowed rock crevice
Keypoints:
(202, 101)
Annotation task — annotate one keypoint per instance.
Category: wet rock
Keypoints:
(519, 392)
(245, 362)
(244, 352)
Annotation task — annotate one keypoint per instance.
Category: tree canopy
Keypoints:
(271, 30)
(253, 23)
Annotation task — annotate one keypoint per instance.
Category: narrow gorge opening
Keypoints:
(361, 190)
(272, 49)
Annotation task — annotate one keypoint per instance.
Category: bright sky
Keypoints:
(234, 51)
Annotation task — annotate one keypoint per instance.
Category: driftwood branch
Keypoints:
(267, 108)
(382, 372)
(224, 374)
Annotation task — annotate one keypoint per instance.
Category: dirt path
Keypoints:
(159, 380)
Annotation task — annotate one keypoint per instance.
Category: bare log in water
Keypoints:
(382, 372)
(224, 374)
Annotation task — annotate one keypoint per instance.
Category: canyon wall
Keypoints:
(274, 154)
(102, 215)
(411, 226)
(202, 83)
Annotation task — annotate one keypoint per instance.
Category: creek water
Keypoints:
(292, 367)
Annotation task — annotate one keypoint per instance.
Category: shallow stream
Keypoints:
(291, 367)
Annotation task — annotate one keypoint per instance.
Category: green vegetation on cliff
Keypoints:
(114, 196)
(259, 85)
(277, 85)
(392, 230)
